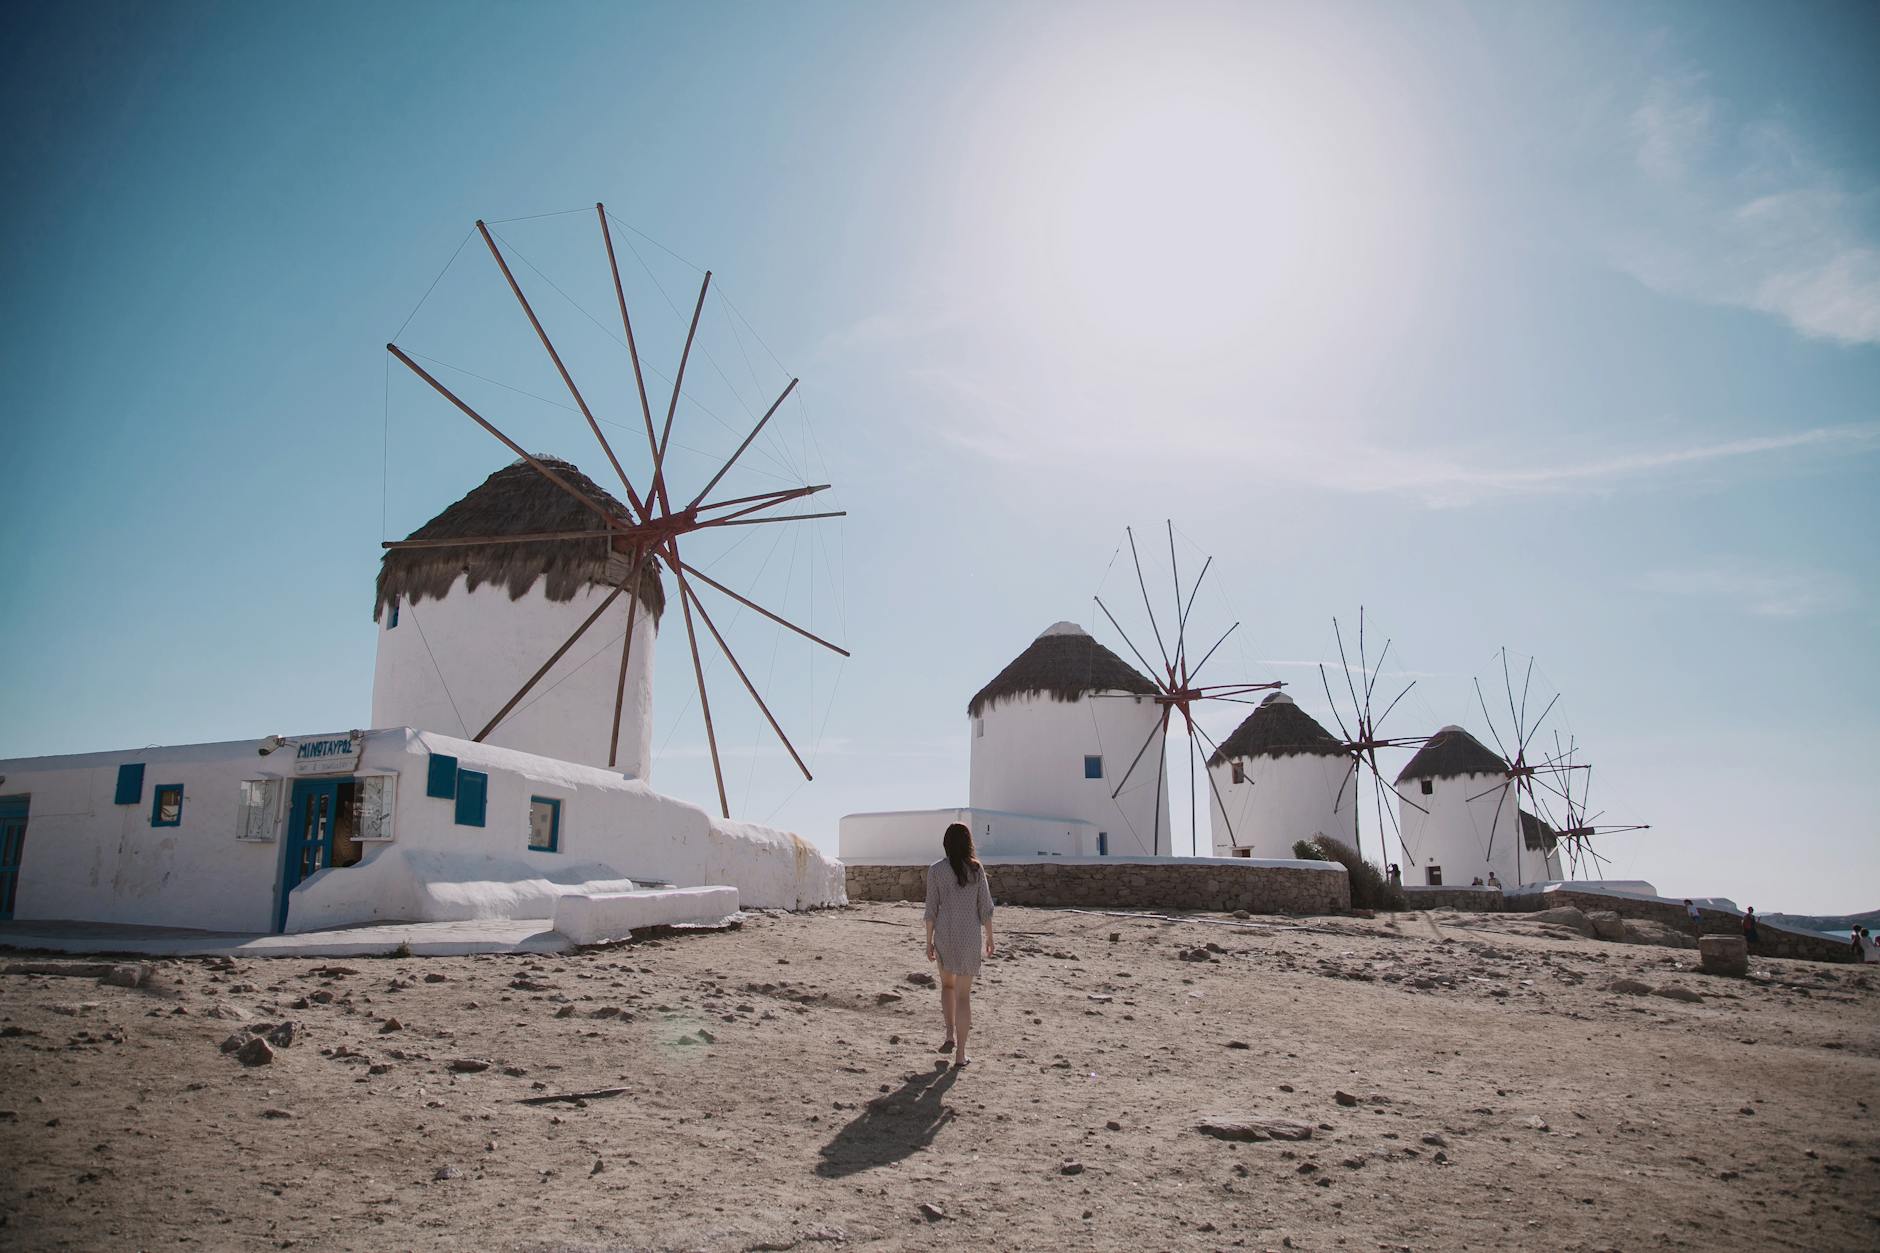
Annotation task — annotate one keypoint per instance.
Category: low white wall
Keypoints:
(913, 835)
(593, 919)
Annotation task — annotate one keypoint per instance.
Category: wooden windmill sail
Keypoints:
(652, 530)
(1580, 827)
(1177, 686)
(1363, 735)
(1532, 783)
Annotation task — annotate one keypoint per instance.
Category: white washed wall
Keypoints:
(89, 860)
(1455, 833)
(912, 837)
(450, 664)
(1031, 761)
(1282, 800)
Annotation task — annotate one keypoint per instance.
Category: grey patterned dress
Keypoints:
(957, 913)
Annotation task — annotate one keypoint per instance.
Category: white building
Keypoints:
(414, 821)
(1056, 731)
(1461, 819)
(1052, 735)
(1282, 778)
(461, 629)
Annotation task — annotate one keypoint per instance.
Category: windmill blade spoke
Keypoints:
(1144, 586)
(733, 460)
(633, 349)
(1175, 575)
(1364, 666)
(775, 497)
(685, 589)
(1543, 718)
(1124, 781)
(698, 675)
(1194, 834)
(1484, 792)
(1391, 706)
(604, 513)
(788, 517)
(1214, 785)
(1376, 673)
(1161, 776)
(1527, 682)
(633, 497)
(548, 665)
(1495, 822)
(1338, 801)
(1357, 706)
(1410, 801)
(672, 407)
(1495, 735)
(1125, 634)
(748, 603)
(1336, 716)
(1217, 643)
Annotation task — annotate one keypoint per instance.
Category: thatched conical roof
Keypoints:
(517, 500)
(1278, 728)
(1065, 664)
(1537, 834)
(1449, 753)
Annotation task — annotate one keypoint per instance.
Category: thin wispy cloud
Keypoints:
(1744, 213)
(1756, 589)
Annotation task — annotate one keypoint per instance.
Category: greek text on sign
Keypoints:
(337, 754)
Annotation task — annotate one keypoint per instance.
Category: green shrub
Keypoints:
(1369, 888)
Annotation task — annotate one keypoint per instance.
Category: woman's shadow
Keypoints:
(891, 1127)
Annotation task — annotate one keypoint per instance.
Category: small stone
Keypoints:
(1535, 1122)
(931, 1212)
(1672, 992)
(566, 1011)
(1630, 987)
(1746, 1110)
(133, 975)
(1353, 1163)
(434, 977)
(445, 1172)
(1071, 1168)
(391, 1025)
(1251, 1127)
(255, 1053)
(920, 978)
(599, 1166)
(282, 1036)
(233, 1042)
(1344, 1098)
(1112, 1125)
(272, 1112)
(1435, 1140)
(1238, 1044)
(468, 1065)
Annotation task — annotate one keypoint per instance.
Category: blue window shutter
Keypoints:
(472, 791)
(130, 784)
(442, 779)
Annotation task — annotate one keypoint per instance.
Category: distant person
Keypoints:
(1493, 882)
(1396, 876)
(1855, 942)
(1696, 916)
(959, 906)
(1869, 946)
(1478, 882)
(1749, 923)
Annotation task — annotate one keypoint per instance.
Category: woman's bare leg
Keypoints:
(962, 1016)
(946, 1002)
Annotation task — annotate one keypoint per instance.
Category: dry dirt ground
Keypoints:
(780, 1092)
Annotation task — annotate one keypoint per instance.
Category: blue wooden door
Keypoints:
(311, 810)
(12, 848)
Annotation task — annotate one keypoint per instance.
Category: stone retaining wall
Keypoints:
(1771, 941)
(1132, 884)
(1468, 900)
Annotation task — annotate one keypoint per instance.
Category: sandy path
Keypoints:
(1510, 1101)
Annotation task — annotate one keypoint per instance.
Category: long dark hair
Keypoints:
(958, 843)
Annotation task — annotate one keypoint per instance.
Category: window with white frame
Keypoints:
(260, 810)
(373, 802)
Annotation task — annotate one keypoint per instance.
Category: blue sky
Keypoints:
(1547, 327)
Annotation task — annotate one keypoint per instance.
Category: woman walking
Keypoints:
(959, 906)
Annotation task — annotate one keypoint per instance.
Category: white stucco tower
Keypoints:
(1055, 731)
(462, 628)
(1283, 778)
(1461, 818)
